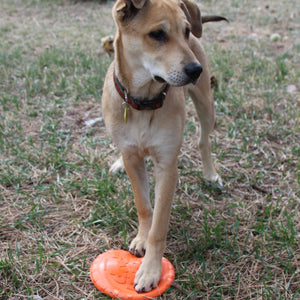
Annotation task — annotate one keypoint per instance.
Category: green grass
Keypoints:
(59, 208)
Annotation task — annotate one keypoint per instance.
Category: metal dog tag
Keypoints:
(125, 113)
(126, 108)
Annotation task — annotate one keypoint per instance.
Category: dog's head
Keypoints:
(156, 34)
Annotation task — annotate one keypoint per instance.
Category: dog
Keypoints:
(158, 59)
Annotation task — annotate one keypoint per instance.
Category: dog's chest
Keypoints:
(140, 131)
(148, 132)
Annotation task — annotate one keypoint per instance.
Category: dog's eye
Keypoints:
(187, 33)
(159, 35)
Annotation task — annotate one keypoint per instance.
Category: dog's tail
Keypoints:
(206, 19)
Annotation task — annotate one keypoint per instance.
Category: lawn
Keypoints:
(59, 207)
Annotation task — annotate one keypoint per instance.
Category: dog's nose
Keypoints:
(193, 71)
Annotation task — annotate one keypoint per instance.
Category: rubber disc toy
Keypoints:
(113, 273)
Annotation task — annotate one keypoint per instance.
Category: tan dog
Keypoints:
(156, 55)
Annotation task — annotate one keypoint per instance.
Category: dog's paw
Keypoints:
(214, 179)
(138, 247)
(117, 166)
(147, 277)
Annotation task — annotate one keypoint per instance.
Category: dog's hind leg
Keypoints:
(204, 104)
(205, 114)
(136, 171)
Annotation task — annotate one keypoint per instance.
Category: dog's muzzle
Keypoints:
(190, 73)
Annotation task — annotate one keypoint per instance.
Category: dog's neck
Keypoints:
(133, 76)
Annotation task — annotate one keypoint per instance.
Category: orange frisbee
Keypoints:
(113, 273)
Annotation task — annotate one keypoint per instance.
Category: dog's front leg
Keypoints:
(149, 272)
(136, 171)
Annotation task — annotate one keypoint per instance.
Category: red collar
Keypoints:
(140, 104)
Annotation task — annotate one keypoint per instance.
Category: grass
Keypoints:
(59, 208)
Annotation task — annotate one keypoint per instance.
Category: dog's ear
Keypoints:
(138, 3)
(193, 15)
(125, 10)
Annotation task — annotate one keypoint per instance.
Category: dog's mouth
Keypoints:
(159, 79)
(189, 74)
